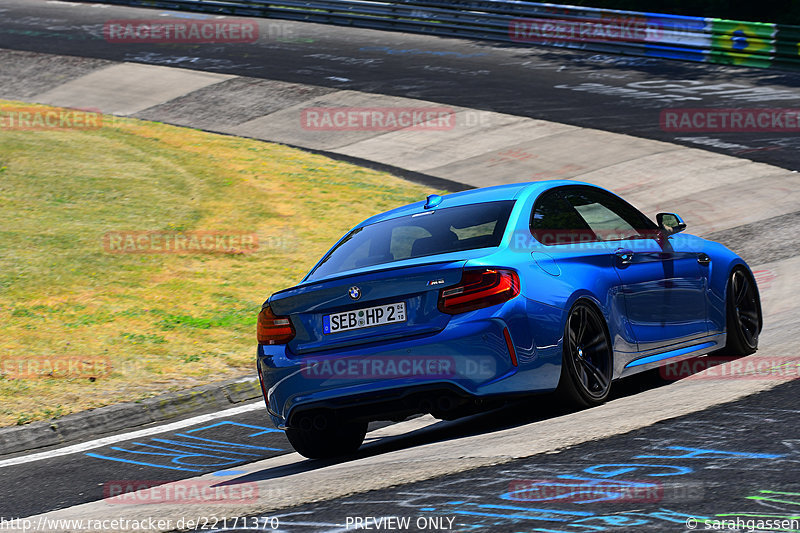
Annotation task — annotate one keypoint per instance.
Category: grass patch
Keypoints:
(163, 321)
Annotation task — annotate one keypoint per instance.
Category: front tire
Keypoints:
(587, 363)
(341, 438)
(743, 320)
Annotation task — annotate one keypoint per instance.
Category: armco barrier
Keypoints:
(787, 46)
(713, 40)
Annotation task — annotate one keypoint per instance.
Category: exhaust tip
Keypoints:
(320, 422)
(306, 423)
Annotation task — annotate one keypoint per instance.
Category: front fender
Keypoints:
(723, 261)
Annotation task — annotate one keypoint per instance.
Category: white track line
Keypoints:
(104, 441)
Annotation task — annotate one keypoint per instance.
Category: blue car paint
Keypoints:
(641, 304)
(474, 335)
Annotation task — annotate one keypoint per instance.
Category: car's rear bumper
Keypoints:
(460, 366)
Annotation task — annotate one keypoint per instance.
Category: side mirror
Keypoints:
(670, 223)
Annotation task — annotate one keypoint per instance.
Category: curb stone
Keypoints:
(112, 418)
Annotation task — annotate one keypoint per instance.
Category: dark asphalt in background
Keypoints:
(737, 460)
(614, 93)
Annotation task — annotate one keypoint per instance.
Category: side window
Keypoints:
(554, 221)
(609, 217)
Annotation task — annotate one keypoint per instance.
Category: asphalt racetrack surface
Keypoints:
(58, 482)
(218, 446)
(737, 461)
(607, 92)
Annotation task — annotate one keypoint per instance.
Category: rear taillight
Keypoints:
(479, 288)
(273, 329)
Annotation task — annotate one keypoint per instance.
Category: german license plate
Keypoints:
(364, 318)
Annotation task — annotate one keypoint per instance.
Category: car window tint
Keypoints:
(608, 216)
(359, 255)
(554, 221)
(476, 231)
(403, 239)
(439, 231)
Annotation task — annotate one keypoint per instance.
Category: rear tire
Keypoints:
(587, 362)
(341, 439)
(743, 320)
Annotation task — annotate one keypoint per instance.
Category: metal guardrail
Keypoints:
(603, 30)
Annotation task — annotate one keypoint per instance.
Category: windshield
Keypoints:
(434, 232)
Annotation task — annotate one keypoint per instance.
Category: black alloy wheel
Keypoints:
(743, 314)
(588, 361)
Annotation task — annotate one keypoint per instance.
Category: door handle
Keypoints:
(703, 259)
(624, 256)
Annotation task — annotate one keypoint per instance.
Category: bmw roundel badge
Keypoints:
(355, 293)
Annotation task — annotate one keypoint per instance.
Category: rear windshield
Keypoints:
(439, 231)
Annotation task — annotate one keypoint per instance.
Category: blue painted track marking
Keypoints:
(98, 456)
(181, 451)
(708, 454)
(262, 430)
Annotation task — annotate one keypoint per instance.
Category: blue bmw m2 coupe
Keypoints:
(449, 305)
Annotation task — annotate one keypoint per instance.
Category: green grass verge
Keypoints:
(161, 321)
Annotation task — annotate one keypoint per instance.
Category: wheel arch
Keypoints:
(570, 387)
(740, 264)
(718, 289)
(612, 323)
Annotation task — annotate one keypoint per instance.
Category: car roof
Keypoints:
(513, 191)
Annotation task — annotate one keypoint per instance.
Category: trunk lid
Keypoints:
(416, 286)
